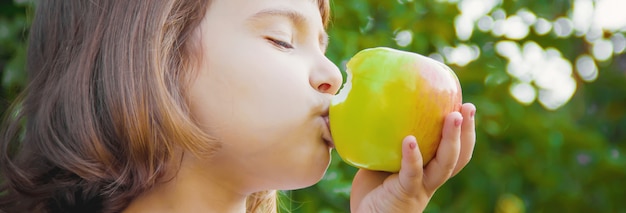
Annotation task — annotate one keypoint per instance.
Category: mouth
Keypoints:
(326, 134)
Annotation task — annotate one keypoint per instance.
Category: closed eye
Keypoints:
(280, 43)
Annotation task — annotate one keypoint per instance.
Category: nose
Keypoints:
(325, 77)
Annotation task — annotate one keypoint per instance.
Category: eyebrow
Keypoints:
(296, 18)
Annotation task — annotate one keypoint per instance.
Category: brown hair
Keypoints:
(105, 111)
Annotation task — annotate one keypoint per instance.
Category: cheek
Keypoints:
(260, 102)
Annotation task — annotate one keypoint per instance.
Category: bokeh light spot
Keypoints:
(485, 23)
(515, 28)
(508, 49)
(563, 27)
(619, 43)
(582, 16)
(499, 14)
(523, 93)
(586, 68)
(583, 159)
(542, 26)
(462, 54)
(464, 27)
(610, 15)
(437, 57)
(404, 38)
(602, 49)
(614, 153)
(527, 16)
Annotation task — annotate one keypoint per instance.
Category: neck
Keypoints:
(191, 191)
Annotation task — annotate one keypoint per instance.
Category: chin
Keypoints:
(309, 174)
(318, 170)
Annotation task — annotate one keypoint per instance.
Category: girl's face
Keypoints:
(263, 88)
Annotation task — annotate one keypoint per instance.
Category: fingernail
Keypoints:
(412, 145)
(472, 113)
(458, 121)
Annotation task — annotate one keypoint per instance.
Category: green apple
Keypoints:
(388, 95)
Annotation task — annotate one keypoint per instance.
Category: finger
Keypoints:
(468, 137)
(411, 168)
(441, 167)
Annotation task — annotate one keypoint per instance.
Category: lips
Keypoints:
(326, 135)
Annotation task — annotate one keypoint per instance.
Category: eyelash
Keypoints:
(280, 43)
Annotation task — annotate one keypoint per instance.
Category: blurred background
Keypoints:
(548, 78)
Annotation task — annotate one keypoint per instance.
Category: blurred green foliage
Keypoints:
(14, 24)
(528, 157)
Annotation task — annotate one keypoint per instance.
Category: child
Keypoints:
(190, 106)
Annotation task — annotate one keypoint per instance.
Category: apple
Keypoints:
(388, 95)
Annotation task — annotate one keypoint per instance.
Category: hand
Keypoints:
(411, 189)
